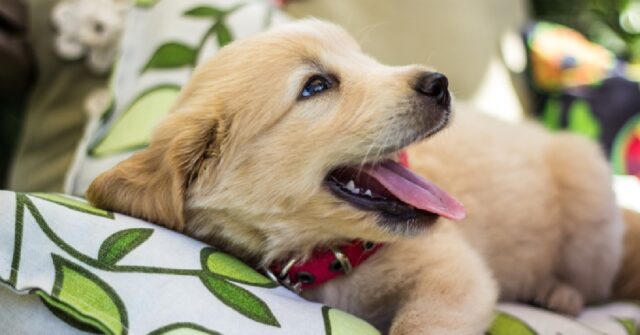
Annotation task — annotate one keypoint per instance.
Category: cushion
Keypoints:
(621, 318)
(104, 271)
(71, 267)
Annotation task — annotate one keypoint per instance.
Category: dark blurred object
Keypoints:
(16, 70)
(54, 117)
(610, 111)
(16, 76)
(582, 87)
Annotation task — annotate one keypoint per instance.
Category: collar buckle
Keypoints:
(345, 264)
(283, 277)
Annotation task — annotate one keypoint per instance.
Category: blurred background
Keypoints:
(615, 24)
(571, 64)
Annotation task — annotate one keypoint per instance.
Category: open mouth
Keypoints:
(394, 192)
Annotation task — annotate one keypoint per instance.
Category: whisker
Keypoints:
(364, 160)
(381, 148)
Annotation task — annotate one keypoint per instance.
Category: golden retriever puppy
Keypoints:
(284, 143)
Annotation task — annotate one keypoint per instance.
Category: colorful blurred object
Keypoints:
(562, 57)
(580, 86)
(626, 149)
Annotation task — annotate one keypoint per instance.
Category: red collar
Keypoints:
(322, 266)
(325, 265)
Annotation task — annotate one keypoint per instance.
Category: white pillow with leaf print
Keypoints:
(115, 274)
(617, 318)
(162, 42)
(110, 273)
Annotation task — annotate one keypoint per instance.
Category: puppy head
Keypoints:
(275, 142)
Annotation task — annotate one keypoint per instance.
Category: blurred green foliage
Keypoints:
(614, 24)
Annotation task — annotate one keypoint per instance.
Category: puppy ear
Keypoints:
(153, 183)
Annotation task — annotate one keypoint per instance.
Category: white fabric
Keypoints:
(65, 253)
(628, 191)
(26, 315)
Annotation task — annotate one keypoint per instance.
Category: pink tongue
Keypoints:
(414, 190)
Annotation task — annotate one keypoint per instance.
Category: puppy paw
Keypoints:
(561, 298)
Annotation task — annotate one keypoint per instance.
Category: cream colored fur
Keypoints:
(240, 163)
(627, 285)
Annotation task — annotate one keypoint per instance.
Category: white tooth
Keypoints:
(351, 186)
(368, 192)
(356, 191)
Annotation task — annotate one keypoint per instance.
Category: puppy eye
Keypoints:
(315, 85)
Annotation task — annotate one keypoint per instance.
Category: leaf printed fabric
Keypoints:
(514, 319)
(89, 296)
(240, 300)
(74, 203)
(118, 245)
(107, 272)
(505, 324)
(338, 322)
(133, 130)
(228, 267)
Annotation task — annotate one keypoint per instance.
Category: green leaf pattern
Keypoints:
(64, 312)
(133, 130)
(184, 328)
(223, 34)
(204, 12)
(91, 298)
(230, 268)
(240, 300)
(71, 316)
(176, 55)
(172, 55)
(118, 245)
(337, 322)
(629, 325)
(73, 203)
(505, 324)
(145, 3)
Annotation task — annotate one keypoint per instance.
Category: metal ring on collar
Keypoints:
(344, 261)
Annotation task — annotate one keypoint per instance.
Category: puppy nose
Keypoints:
(434, 85)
